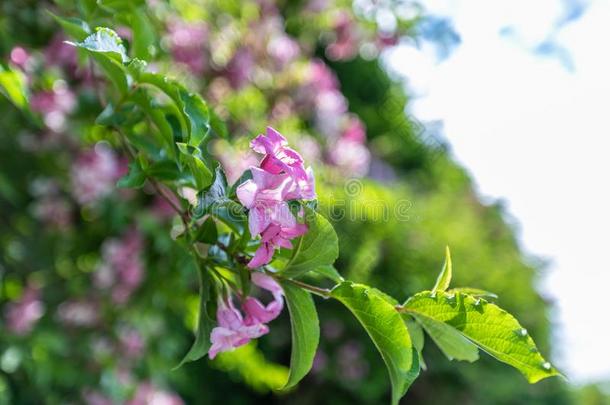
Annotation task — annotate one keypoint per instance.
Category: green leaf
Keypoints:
(13, 86)
(165, 170)
(74, 27)
(451, 342)
(305, 332)
(136, 67)
(119, 5)
(475, 292)
(204, 324)
(318, 247)
(214, 195)
(143, 34)
(207, 232)
(135, 178)
(105, 41)
(444, 279)
(387, 330)
(158, 117)
(491, 328)
(218, 126)
(329, 272)
(196, 111)
(200, 172)
(106, 47)
(417, 337)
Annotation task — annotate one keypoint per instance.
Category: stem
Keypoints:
(322, 292)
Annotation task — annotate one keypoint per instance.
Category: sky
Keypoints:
(524, 101)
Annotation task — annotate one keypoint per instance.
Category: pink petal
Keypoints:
(262, 256)
(258, 220)
(275, 137)
(267, 282)
(246, 192)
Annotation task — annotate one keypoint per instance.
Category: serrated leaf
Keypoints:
(136, 67)
(135, 178)
(305, 328)
(387, 330)
(318, 247)
(105, 41)
(444, 278)
(489, 327)
(475, 292)
(451, 342)
(204, 324)
(13, 86)
(106, 47)
(74, 27)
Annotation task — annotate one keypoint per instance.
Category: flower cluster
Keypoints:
(280, 177)
(233, 328)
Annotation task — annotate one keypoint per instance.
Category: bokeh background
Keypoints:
(97, 302)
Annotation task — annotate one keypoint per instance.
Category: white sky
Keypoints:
(538, 136)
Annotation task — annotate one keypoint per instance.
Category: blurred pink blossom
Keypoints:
(345, 44)
(186, 42)
(78, 313)
(122, 269)
(94, 174)
(239, 69)
(352, 158)
(22, 315)
(132, 344)
(54, 105)
(19, 57)
(283, 49)
(148, 394)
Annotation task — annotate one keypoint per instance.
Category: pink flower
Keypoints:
(272, 237)
(279, 158)
(255, 311)
(232, 331)
(22, 315)
(281, 177)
